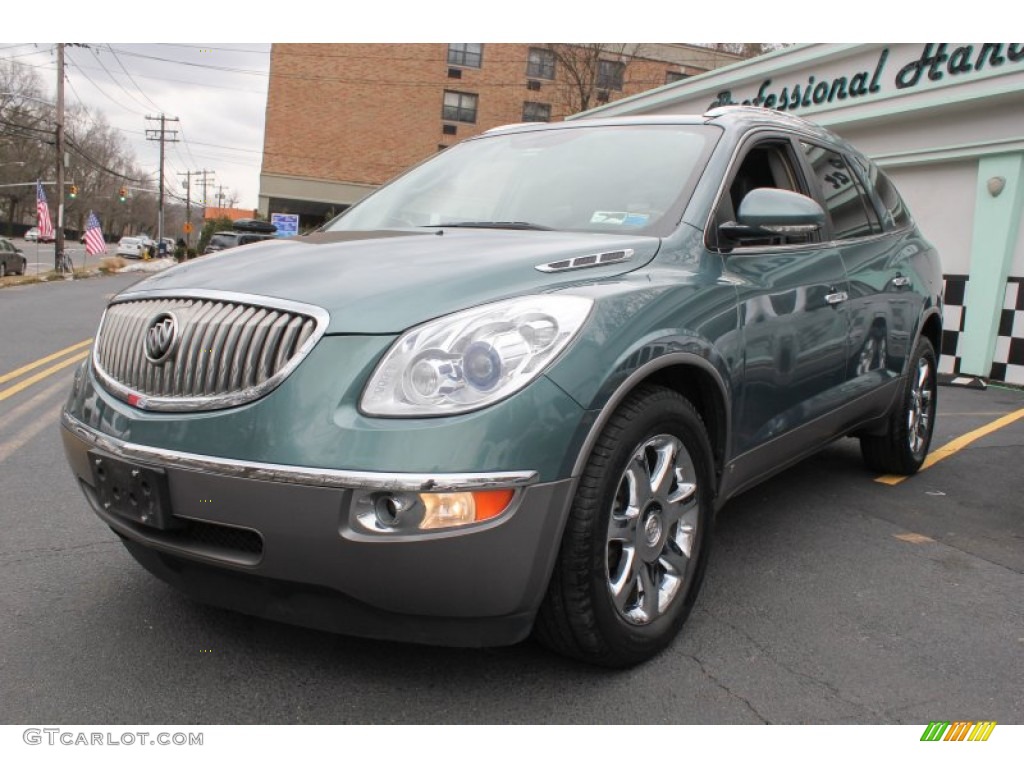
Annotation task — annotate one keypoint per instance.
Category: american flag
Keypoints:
(43, 210)
(94, 242)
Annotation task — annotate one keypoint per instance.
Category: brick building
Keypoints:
(344, 118)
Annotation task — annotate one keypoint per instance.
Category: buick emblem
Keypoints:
(161, 338)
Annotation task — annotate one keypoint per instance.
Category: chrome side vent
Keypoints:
(582, 262)
(201, 351)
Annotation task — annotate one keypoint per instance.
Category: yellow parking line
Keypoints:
(24, 383)
(957, 444)
(43, 361)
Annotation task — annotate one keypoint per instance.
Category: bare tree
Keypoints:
(583, 80)
(747, 50)
(26, 133)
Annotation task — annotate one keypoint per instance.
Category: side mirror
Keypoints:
(769, 212)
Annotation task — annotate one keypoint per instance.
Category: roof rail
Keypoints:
(755, 111)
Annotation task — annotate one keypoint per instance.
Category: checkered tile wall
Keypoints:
(1008, 360)
(1008, 357)
(953, 315)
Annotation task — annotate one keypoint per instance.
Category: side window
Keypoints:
(765, 164)
(896, 213)
(845, 200)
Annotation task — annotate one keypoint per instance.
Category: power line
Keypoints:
(94, 85)
(137, 86)
(116, 81)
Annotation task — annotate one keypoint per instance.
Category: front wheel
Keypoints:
(636, 542)
(904, 446)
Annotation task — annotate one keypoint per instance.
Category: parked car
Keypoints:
(12, 262)
(137, 247)
(32, 236)
(243, 232)
(508, 391)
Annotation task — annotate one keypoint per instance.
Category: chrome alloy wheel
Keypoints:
(652, 529)
(920, 412)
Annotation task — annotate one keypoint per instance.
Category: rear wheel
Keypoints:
(903, 448)
(636, 543)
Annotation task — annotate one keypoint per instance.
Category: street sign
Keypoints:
(287, 224)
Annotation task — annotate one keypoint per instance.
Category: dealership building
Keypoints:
(946, 123)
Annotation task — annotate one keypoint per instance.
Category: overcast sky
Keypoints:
(218, 91)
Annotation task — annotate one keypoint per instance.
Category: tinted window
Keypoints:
(845, 201)
(896, 212)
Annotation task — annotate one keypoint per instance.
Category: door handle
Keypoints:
(836, 298)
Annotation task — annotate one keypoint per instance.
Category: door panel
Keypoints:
(794, 340)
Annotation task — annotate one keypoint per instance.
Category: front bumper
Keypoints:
(276, 541)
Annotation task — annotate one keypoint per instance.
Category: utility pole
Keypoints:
(161, 136)
(188, 205)
(207, 181)
(58, 248)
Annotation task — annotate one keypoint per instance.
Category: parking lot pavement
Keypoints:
(832, 596)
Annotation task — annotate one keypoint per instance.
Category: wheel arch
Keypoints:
(931, 329)
(692, 376)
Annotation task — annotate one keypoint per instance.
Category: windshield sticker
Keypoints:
(622, 218)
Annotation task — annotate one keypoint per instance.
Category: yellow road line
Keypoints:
(43, 361)
(955, 445)
(24, 383)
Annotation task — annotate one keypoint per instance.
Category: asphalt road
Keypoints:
(830, 598)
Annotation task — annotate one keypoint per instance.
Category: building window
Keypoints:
(609, 75)
(534, 112)
(466, 54)
(459, 106)
(541, 63)
(675, 77)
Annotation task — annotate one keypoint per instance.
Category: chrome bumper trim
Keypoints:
(285, 473)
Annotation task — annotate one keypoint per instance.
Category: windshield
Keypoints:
(591, 179)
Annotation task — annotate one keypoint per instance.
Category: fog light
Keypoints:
(391, 508)
(444, 510)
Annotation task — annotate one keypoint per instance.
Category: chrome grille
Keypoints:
(229, 349)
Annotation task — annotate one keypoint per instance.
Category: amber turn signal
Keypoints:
(445, 510)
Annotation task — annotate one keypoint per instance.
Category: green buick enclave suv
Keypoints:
(508, 391)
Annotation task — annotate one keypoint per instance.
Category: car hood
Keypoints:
(385, 282)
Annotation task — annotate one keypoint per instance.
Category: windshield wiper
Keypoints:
(495, 225)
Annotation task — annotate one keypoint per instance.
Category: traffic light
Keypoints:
(73, 191)
(122, 193)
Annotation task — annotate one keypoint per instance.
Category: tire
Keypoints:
(627, 535)
(24, 266)
(904, 446)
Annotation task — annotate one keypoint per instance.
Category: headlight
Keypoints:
(473, 358)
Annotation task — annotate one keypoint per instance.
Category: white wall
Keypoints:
(941, 198)
(1017, 265)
